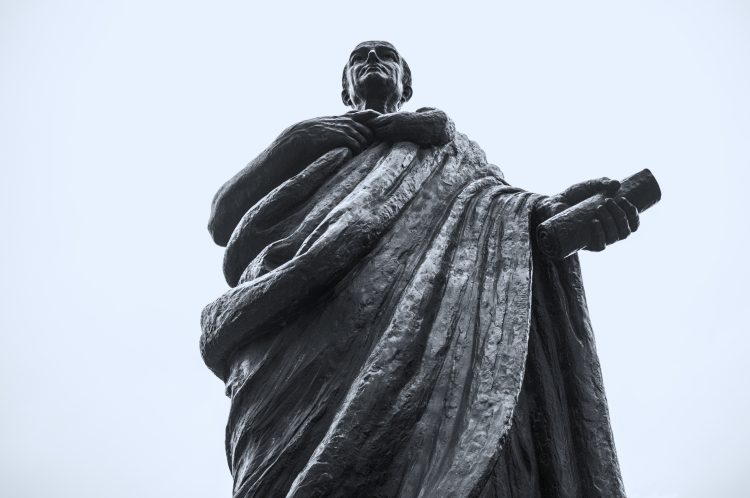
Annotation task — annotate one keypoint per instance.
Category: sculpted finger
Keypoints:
(352, 132)
(620, 218)
(364, 131)
(598, 242)
(363, 116)
(584, 190)
(380, 121)
(634, 220)
(607, 185)
(611, 234)
(348, 140)
(551, 206)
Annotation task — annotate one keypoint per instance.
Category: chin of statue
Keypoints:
(377, 83)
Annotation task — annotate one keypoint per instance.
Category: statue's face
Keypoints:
(375, 70)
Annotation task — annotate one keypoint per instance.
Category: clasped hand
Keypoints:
(359, 129)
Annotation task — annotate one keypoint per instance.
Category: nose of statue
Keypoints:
(372, 55)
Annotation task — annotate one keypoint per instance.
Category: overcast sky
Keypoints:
(119, 120)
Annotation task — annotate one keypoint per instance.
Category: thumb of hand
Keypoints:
(582, 191)
(363, 116)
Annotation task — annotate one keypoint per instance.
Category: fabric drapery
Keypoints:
(393, 332)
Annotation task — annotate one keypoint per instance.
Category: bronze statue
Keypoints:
(393, 328)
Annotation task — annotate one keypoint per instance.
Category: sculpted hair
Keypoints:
(405, 81)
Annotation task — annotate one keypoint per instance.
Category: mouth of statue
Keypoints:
(373, 67)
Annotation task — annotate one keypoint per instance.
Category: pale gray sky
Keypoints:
(119, 120)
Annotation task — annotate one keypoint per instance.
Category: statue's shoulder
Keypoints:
(473, 154)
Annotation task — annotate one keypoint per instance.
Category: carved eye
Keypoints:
(357, 57)
(390, 56)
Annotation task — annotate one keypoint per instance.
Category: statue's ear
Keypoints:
(406, 95)
(345, 98)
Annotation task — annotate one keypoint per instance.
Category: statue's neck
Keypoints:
(383, 106)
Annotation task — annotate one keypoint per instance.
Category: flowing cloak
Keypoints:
(392, 332)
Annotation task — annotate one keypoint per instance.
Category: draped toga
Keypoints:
(393, 332)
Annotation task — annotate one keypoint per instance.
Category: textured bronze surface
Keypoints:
(570, 231)
(392, 328)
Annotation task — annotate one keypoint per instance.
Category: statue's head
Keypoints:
(376, 72)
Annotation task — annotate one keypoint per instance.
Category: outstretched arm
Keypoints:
(294, 149)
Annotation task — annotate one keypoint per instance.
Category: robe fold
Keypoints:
(392, 332)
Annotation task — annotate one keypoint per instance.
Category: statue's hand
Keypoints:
(317, 136)
(616, 217)
(425, 127)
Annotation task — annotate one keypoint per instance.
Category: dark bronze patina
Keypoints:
(393, 327)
